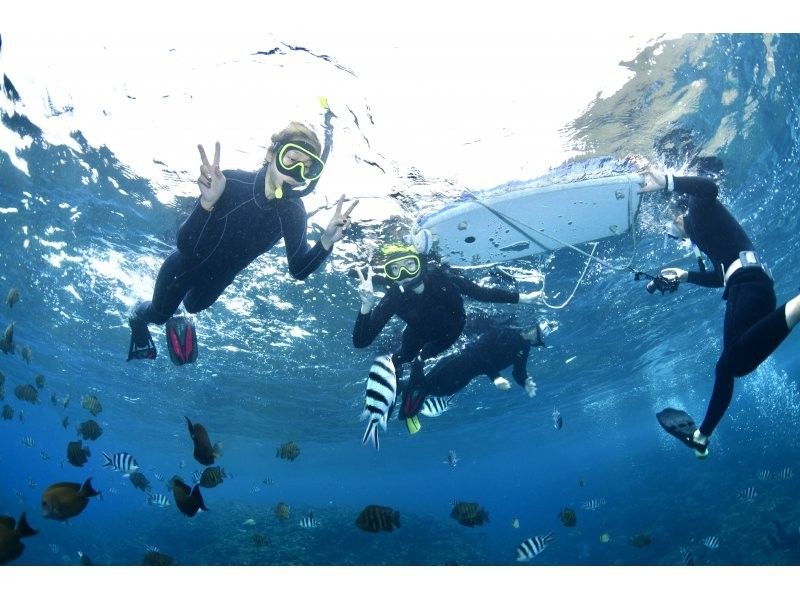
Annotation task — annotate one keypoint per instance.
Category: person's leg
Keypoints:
(451, 374)
(201, 297)
(172, 284)
(753, 330)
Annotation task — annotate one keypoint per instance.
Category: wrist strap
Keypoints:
(669, 182)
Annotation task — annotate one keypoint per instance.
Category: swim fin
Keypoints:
(142, 345)
(681, 425)
(181, 340)
(413, 425)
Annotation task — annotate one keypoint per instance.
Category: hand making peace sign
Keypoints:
(338, 224)
(211, 180)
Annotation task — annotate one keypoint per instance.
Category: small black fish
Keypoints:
(84, 559)
(212, 476)
(155, 557)
(39, 381)
(139, 481)
(469, 514)
(26, 392)
(10, 534)
(77, 454)
(375, 518)
(288, 450)
(89, 430)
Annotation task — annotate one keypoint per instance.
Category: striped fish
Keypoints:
(121, 462)
(594, 504)
(531, 547)
(748, 494)
(785, 474)
(196, 476)
(764, 475)
(380, 398)
(711, 542)
(309, 522)
(687, 556)
(159, 500)
(435, 406)
(28, 442)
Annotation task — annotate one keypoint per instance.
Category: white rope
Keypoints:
(563, 305)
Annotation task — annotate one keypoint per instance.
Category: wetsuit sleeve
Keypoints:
(713, 279)
(697, 186)
(479, 293)
(200, 225)
(303, 259)
(520, 371)
(368, 326)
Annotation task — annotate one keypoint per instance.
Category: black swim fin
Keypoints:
(181, 340)
(680, 425)
(142, 345)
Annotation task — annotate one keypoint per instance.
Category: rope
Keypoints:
(563, 305)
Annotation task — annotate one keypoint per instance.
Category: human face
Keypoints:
(298, 162)
(677, 230)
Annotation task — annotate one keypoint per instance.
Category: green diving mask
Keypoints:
(402, 267)
(299, 161)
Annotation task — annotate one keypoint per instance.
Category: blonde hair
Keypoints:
(295, 131)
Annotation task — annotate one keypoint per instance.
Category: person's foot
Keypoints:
(700, 442)
(142, 345)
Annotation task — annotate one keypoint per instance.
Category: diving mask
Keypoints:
(402, 267)
(671, 230)
(299, 161)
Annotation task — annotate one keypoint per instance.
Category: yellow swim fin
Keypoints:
(413, 425)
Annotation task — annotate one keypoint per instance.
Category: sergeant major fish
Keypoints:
(435, 406)
(122, 462)
(159, 500)
(534, 546)
(380, 397)
(309, 522)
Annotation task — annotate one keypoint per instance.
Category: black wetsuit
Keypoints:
(213, 247)
(434, 318)
(489, 354)
(753, 327)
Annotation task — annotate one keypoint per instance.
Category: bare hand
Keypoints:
(653, 181)
(338, 224)
(501, 383)
(530, 297)
(211, 180)
(530, 387)
(365, 291)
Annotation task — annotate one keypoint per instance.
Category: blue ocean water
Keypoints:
(83, 234)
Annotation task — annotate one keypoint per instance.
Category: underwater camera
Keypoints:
(665, 284)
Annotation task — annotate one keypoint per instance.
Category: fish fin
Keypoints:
(108, 462)
(196, 494)
(87, 490)
(371, 433)
(23, 529)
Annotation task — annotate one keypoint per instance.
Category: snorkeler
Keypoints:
(753, 327)
(428, 298)
(239, 216)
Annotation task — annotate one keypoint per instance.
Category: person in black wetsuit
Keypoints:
(753, 326)
(239, 216)
(489, 354)
(428, 298)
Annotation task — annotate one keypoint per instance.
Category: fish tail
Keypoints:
(23, 529)
(87, 490)
(108, 461)
(371, 433)
(191, 429)
(199, 497)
